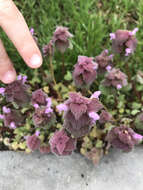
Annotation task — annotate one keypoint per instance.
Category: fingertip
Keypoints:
(35, 61)
(9, 77)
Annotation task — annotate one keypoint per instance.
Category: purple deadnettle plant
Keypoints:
(39, 98)
(12, 118)
(80, 114)
(104, 61)
(44, 116)
(33, 142)
(62, 144)
(115, 78)
(124, 41)
(48, 50)
(84, 71)
(124, 138)
(61, 38)
(17, 92)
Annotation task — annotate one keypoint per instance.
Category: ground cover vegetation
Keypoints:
(88, 95)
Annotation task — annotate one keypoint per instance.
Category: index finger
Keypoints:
(13, 23)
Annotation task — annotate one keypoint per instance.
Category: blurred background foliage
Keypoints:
(90, 21)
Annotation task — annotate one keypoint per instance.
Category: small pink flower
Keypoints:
(112, 36)
(48, 110)
(37, 133)
(49, 102)
(32, 31)
(1, 116)
(12, 125)
(138, 136)
(128, 51)
(108, 68)
(61, 107)
(2, 90)
(94, 116)
(6, 110)
(119, 86)
(96, 94)
(132, 33)
(36, 106)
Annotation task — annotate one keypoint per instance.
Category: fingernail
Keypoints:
(9, 77)
(36, 61)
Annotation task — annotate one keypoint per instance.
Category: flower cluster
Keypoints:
(84, 71)
(104, 61)
(33, 142)
(12, 118)
(115, 78)
(17, 92)
(61, 38)
(61, 143)
(39, 98)
(43, 116)
(124, 138)
(80, 113)
(124, 41)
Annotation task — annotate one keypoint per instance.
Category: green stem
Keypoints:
(53, 75)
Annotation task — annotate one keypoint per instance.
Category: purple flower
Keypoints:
(124, 42)
(12, 125)
(132, 33)
(104, 61)
(2, 91)
(22, 78)
(49, 102)
(48, 49)
(61, 38)
(115, 78)
(36, 106)
(6, 110)
(61, 107)
(1, 116)
(33, 142)
(48, 111)
(123, 137)
(119, 86)
(112, 36)
(13, 119)
(39, 97)
(84, 71)
(96, 94)
(61, 144)
(17, 92)
(43, 116)
(32, 31)
(34, 35)
(94, 116)
(108, 68)
(76, 118)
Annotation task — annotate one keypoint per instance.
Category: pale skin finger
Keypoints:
(13, 23)
(7, 72)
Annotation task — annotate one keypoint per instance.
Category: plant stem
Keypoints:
(53, 75)
(52, 69)
(63, 64)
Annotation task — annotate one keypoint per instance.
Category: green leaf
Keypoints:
(134, 112)
(68, 76)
